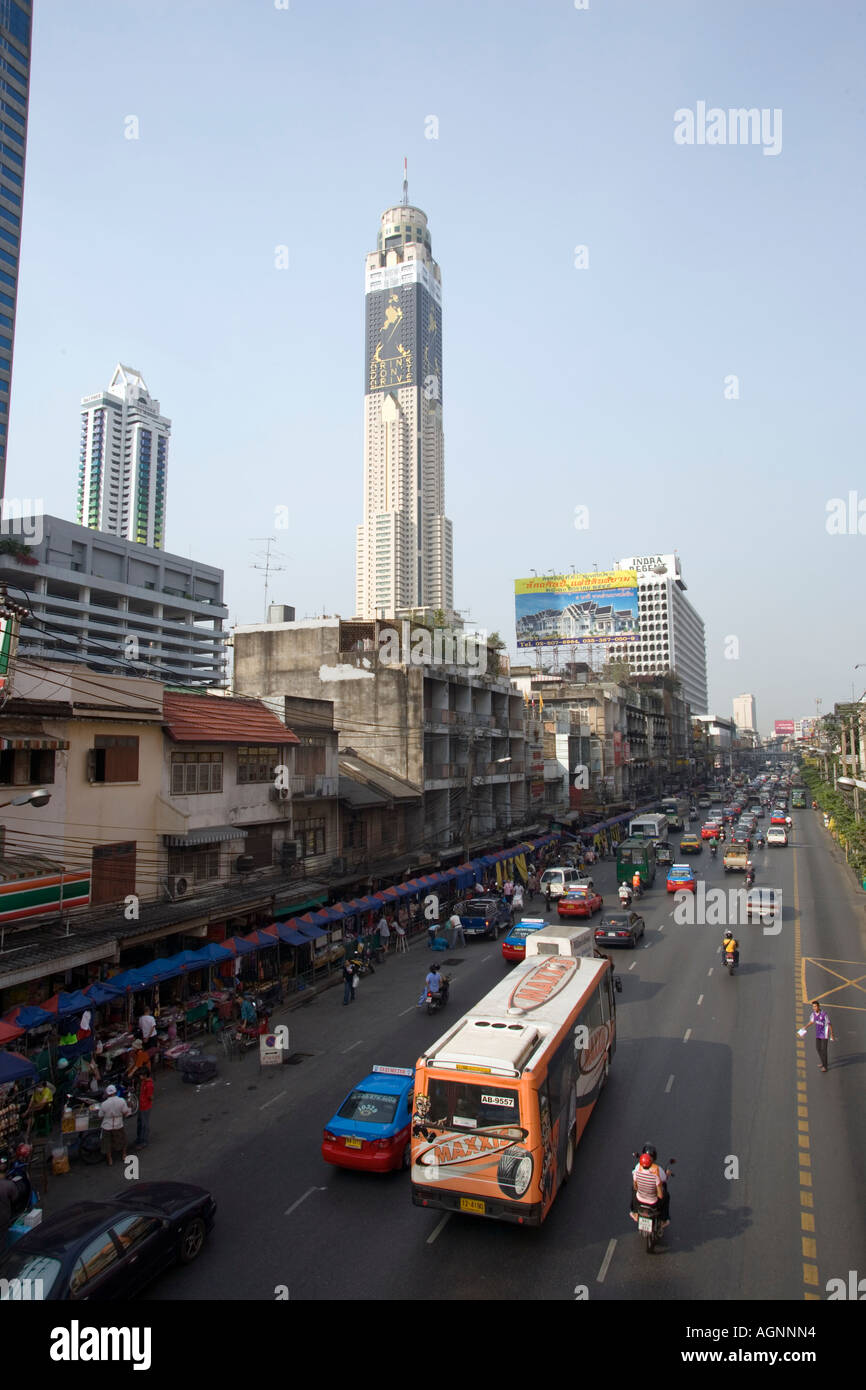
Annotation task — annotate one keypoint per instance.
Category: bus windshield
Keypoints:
(490, 1104)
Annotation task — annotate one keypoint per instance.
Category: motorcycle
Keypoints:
(714, 849)
(731, 960)
(434, 999)
(625, 896)
(362, 964)
(15, 1168)
(649, 1222)
(750, 877)
(760, 842)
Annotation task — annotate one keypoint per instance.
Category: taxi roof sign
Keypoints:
(396, 1071)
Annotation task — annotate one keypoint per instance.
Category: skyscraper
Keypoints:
(123, 461)
(671, 631)
(744, 711)
(15, 25)
(404, 546)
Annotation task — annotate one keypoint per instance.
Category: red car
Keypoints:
(371, 1128)
(779, 818)
(579, 902)
(710, 831)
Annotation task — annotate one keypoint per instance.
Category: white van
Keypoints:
(560, 941)
(561, 877)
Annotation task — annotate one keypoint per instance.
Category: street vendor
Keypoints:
(40, 1102)
(140, 1058)
(249, 1017)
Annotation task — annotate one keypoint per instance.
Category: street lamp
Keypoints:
(38, 797)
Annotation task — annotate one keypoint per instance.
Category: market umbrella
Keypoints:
(213, 953)
(7, 1032)
(100, 992)
(13, 1067)
(238, 946)
(27, 1016)
(63, 1003)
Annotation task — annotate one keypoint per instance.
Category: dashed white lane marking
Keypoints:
(271, 1101)
(442, 1224)
(309, 1192)
(670, 1084)
(700, 999)
(709, 972)
(605, 1264)
(688, 1035)
(633, 964)
(350, 1049)
(407, 1011)
(661, 926)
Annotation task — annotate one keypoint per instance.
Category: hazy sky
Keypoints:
(601, 385)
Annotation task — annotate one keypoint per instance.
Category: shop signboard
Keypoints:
(36, 897)
(784, 728)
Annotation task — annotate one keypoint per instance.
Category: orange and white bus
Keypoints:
(502, 1099)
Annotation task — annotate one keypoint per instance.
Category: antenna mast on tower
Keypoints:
(269, 567)
(405, 182)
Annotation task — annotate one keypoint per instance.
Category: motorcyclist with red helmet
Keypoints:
(650, 1185)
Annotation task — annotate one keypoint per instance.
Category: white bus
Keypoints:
(650, 827)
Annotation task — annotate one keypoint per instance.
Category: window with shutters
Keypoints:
(112, 872)
(194, 774)
(311, 834)
(310, 755)
(114, 758)
(198, 865)
(26, 767)
(257, 763)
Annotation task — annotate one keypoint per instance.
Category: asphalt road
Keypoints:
(769, 1192)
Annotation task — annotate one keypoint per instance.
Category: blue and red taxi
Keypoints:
(582, 901)
(371, 1128)
(680, 877)
(514, 944)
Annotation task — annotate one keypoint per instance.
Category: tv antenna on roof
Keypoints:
(405, 182)
(268, 567)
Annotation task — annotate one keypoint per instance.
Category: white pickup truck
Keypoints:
(736, 858)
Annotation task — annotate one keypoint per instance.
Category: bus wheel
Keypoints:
(606, 1072)
(514, 1173)
(569, 1158)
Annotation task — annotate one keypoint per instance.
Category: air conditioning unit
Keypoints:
(177, 886)
(281, 793)
(244, 863)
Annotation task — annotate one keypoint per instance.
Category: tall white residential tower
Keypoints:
(671, 632)
(404, 546)
(744, 712)
(123, 461)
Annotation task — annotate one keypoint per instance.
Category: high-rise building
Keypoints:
(671, 632)
(404, 546)
(16, 18)
(123, 461)
(744, 712)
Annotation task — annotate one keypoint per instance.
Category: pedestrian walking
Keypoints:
(145, 1105)
(384, 930)
(349, 978)
(517, 899)
(112, 1113)
(401, 927)
(508, 890)
(823, 1032)
(457, 936)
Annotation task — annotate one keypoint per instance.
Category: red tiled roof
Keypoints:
(213, 719)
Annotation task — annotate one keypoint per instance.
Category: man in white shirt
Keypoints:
(112, 1113)
(147, 1026)
(384, 930)
(457, 936)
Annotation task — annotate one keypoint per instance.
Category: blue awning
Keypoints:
(309, 932)
(290, 936)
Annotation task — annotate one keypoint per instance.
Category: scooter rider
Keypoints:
(750, 873)
(650, 1185)
(731, 944)
(625, 895)
(433, 981)
(714, 849)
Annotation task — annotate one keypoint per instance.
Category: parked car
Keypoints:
(579, 902)
(111, 1249)
(620, 929)
(486, 916)
(514, 944)
(370, 1130)
(777, 835)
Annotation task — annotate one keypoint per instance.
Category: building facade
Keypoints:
(404, 557)
(15, 26)
(744, 712)
(123, 461)
(118, 606)
(671, 632)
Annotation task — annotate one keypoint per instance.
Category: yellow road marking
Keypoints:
(807, 1222)
(809, 1248)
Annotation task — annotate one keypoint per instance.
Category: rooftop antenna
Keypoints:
(405, 182)
(268, 566)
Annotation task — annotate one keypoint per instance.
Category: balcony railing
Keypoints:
(314, 784)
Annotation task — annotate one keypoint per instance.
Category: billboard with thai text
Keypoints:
(568, 609)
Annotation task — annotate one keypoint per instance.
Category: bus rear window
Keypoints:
(625, 856)
(473, 1105)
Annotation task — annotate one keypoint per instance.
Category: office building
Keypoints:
(744, 712)
(117, 606)
(671, 632)
(15, 25)
(404, 545)
(123, 461)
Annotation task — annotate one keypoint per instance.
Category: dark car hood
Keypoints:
(71, 1224)
(166, 1198)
